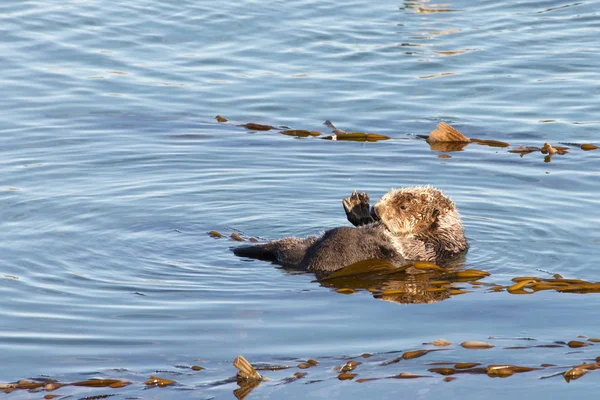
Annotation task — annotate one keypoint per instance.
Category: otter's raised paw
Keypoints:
(357, 208)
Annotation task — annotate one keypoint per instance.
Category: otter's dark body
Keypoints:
(335, 249)
(410, 224)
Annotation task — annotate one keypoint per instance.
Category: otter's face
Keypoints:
(411, 211)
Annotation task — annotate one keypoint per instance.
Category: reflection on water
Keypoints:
(407, 286)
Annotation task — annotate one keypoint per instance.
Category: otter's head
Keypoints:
(424, 213)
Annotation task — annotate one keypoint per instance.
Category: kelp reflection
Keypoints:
(530, 285)
(415, 283)
(423, 283)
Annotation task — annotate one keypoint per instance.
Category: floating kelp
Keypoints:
(237, 237)
(579, 370)
(362, 380)
(357, 137)
(300, 133)
(465, 276)
(531, 284)
(27, 384)
(575, 344)
(500, 373)
(443, 138)
(517, 288)
(348, 366)
(407, 375)
(258, 127)
(308, 364)
(522, 150)
(215, 234)
(113, 383)
(409, 355)
(441, 343)
(339, 134)
(584, 147)
(492, 369)
(443, 371)
(491, 143)
(548, 149)
(249, 379)
(362, 267)
(573, 374)
(425, 266)
(581, 288)
(445, 133)
(245, 370)
(158, 381)
(476, 344)
(551, 150)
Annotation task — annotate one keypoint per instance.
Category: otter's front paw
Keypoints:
(357, 208)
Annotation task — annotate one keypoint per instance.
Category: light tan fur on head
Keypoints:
(425, 213)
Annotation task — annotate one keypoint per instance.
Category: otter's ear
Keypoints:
(435, 213)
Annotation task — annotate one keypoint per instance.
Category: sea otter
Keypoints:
(409, 224)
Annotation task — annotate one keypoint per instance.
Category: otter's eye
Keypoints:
(403, 207)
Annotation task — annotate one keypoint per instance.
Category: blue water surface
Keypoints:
(114, 169)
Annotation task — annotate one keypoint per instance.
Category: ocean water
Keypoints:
(114, 169)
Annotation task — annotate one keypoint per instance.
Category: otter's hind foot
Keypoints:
(358, 209)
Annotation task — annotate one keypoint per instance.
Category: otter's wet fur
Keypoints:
(409, 224)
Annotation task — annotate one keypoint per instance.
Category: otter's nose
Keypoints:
(374, 214)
